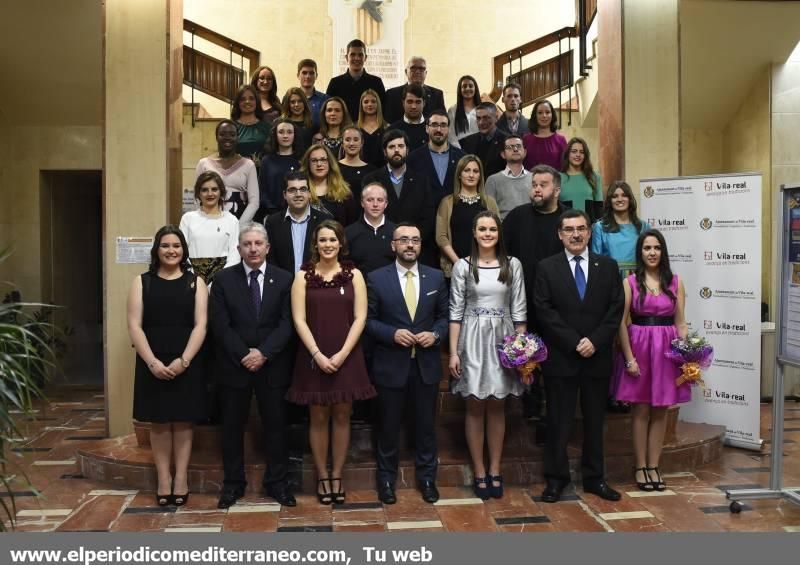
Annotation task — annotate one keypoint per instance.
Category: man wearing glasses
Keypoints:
(578, 300)
(416, 73)
(290, 231)
(438, 159)
(407, 317)
(510, 187)
(488, 142)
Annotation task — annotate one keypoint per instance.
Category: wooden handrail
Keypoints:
(212, 36)
(526, 49)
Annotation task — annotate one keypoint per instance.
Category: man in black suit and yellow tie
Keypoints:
(579, 300)
(252, 320)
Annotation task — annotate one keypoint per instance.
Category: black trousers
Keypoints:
(562, 395)
(235, 408)
(391, 402)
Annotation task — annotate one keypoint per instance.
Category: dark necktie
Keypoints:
(580, 278)
(255, 292)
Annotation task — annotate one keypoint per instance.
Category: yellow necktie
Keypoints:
(411, 302)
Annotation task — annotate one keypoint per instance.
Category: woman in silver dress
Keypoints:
(487, 303)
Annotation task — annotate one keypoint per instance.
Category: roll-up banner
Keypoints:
(712, 225)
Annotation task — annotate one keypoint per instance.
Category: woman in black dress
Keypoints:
(372, 124)
(167, 308)
(352, 166)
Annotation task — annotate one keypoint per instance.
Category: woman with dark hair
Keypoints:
(211, 232)
(329, 191)
(282, 155)
(454, 219)
(238, 173)
(543, 146)
(654, 299)
(329, 308)
(251, 128)
(487, 303)
(581, 187)
(167, 323)
(263, 80)
(373, 126)
(333, 118)
(297, 109)
(463, 120)
(352, 166)
(615, 234)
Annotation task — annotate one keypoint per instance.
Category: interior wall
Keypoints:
(701, 151)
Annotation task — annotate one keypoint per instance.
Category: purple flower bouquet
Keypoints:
(694, 354)
(523, 352)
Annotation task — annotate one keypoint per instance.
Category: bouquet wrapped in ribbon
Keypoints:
(522, 352)
(694, 354)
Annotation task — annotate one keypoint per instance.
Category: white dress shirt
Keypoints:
(260, 270)
(584, 263)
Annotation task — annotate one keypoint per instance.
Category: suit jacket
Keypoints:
(393, 109)
(489, 152)
(420, 160)
(387, 312)
(279, 230)
(522, 126)
(564, 319)
(237, 329)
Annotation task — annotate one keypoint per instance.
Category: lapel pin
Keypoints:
(597, 264)
(341, 290)
(270, 281)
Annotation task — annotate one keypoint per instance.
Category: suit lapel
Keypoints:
(395, 288)
(424, 289)
(594, 268)
(569, 278)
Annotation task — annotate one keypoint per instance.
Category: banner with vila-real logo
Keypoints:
(712, 225)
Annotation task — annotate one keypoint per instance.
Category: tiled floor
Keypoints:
(695, 501)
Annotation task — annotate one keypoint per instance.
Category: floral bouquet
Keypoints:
(694, 354)
(523, 352)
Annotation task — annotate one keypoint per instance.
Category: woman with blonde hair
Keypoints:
(333, 118)
(372, 124)
(457, 211)
(329, 191)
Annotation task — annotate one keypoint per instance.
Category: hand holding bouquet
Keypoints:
(694, 354)
(523, 352)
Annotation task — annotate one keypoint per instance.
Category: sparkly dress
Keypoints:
(487, 311)
(655, 384)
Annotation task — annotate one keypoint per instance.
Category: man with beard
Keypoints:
(413, 122)
(407, 317)
(531, 234)
(410, 196)
(512, 120)
(487, 144)
(511, 187)
(437, 161)
(416, 72)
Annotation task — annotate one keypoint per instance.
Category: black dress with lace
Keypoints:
(329, 315)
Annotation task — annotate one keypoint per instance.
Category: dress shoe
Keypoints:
(552, 492)
(429, 491)
(280, 492)
(386, 493)
(602, 490)
(229, 497)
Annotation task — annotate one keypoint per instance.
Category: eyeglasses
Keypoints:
(319, 160)
(515, 147)
(296, 189)
(438, 125)
(407, 240)
(417, 68)
(570, 230)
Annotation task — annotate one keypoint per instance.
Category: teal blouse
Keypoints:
(576, 189)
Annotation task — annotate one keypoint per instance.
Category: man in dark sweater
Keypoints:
(413, 121)
(531, 234)
(370, 238)
(350, 85)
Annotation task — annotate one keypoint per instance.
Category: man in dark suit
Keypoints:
(488, 142)
(350, 85)
(410, 197)
(512, 120)
(407, 317)
(412, 122)
(416, 73)
(290, 230)
(251, 316)
(438, 159)
(579, 300)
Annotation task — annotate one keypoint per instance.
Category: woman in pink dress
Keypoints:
(544, 145)
(654, 299)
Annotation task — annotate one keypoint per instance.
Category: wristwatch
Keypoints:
(184, 363)
(436, 338)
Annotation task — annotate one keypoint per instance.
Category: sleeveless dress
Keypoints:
(329, 315)
(655, 384)
(487, 311)
(167, 321)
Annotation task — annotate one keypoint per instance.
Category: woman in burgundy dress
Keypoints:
(329, 307)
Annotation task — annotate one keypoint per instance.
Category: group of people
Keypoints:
(324, 302)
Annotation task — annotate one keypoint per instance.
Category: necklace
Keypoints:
(653, 291)
(469, 199)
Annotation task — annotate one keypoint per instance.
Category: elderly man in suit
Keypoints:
(251, 316)
(579, 300)
(416, 73)
(407, 316)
